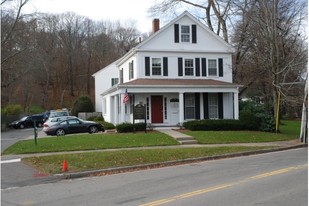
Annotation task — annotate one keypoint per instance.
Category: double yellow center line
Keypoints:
(223, 186)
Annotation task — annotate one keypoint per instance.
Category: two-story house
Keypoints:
(182, 72)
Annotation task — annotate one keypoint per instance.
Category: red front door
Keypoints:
(157, 109)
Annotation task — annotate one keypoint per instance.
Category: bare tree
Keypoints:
(271, 46)
(215, 12)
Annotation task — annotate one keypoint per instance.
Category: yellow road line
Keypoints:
(220, 187)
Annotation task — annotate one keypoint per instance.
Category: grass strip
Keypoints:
(101, 160)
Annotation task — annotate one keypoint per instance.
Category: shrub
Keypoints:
(13, 109)
(206, 125)
(125, 127)
(139, 126)
(96, 118)
(266, 121)
(35, 109)
(82, 104)
(107, 125)
(249, 120)
(129, 127)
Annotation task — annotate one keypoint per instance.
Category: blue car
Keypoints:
(74, 125)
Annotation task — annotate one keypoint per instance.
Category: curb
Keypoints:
(118, 170)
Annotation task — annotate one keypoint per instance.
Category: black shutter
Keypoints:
(220, 67)
(147, 66)
(206, 109)
(184, 106)
(180, 67)
(197, 106)
(197, 67)
(204, 71)
(194, 33)
(176, 33)
(165, 69)
(220, 105)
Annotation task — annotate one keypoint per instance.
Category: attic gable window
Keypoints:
(185, 33)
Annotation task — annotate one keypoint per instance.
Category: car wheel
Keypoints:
(93, 129)
(22, 126)
(60, 132)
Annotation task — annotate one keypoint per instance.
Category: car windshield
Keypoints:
(58, 114)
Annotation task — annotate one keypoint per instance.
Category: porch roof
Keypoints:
(179, 82)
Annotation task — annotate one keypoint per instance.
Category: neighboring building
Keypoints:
(181, 72)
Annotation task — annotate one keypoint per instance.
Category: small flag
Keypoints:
(126, 97)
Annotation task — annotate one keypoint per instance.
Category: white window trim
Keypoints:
(151, 67)
(190, 34)
(217, 67)
(184, 67)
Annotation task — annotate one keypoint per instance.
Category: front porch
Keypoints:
(171, 108)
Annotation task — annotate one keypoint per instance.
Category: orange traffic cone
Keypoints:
(64, 166)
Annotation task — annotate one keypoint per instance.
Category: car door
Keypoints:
(75, 126)
(28, 122)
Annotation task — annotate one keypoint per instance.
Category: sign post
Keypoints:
(139, 112)
(35, 133)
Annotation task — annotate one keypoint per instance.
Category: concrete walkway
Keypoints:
(180, 137)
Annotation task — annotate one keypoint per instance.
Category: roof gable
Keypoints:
(207, 40)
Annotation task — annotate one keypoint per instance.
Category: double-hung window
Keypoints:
(156, 66)
(212, 67)
(185, 33)
(213, 106)
(189, 106)
(189, 68)
(131, 70)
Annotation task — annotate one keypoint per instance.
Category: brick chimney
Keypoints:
(155, 25)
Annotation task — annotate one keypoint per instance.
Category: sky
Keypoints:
(99, 9)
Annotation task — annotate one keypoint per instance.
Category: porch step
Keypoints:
(193, 141)
(180, 137)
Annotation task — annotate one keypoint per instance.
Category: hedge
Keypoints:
(129, 127)
(206, 125)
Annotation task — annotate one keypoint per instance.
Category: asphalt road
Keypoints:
(279, 178)
(18, 174)
(12, 136)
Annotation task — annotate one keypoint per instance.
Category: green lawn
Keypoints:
(288, 130)
(91, 142)
(100, 160)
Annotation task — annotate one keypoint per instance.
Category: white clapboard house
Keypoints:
(182, 72)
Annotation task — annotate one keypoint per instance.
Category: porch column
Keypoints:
(122, 108)
(181, 108)
(116, 106)
(236, 107)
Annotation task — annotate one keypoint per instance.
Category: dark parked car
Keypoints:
(28, 121)
(74, 125)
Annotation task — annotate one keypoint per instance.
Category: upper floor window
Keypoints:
(156, 66)
(212, 67)
(189, 69)
(185, 33)
(131, 70)
(114, 81)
